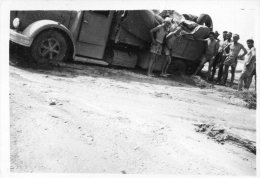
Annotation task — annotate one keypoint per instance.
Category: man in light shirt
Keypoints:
(249, 66)
(231, 59)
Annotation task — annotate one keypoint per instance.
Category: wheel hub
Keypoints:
(49, 48)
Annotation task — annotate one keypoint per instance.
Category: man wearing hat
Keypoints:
(216, 35)
(231, 59)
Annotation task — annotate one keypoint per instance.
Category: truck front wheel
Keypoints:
(49, 46)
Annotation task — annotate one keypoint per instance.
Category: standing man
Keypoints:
(249, 79)
(209, 56)
(249, 66)
(224, 35)
(158, 36)
(223, 44)
(217, 58)
(167, 61)
(231, 59)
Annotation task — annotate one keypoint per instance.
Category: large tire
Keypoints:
(180, 65)
(192, 67)
(49, 46)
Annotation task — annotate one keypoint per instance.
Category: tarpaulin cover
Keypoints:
(140, 22)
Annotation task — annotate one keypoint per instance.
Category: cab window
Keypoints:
(103, 13)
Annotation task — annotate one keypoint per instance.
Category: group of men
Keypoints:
(222, 54)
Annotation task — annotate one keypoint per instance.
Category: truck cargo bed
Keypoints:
(186, 48)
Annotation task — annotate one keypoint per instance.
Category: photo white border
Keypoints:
(6, 6)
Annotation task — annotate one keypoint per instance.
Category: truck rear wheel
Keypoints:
(49, 46)
(180, 65)
(192, 68)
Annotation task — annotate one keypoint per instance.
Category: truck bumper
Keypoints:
(19, 38)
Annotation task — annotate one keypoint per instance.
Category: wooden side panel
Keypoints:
(124, 59)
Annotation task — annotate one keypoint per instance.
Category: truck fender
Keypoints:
(37, 27)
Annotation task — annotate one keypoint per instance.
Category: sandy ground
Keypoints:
(93, 119)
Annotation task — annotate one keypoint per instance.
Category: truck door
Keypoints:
(94, 33)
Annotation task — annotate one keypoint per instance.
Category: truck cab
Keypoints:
(61, 35)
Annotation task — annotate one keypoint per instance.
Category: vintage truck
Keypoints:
(119, 38)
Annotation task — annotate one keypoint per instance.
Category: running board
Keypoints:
(89, 60)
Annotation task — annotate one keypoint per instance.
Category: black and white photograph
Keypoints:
(149, 88)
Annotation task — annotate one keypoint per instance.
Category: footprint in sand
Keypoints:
(89, 139)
